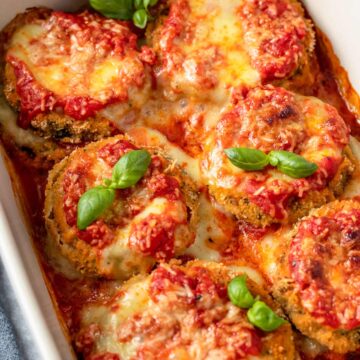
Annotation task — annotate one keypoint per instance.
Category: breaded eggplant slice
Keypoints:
(315, 271)
(62, 71)
(152, 221)
(206, 48)
(278, 39)
(269, 118)
(180, 312)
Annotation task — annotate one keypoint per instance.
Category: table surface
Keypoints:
(16, 342)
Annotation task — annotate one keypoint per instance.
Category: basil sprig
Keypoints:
(287, 162)
(140, 18)
(291, 164)
(92, 204)
(130, 169)
(127, 172)
(116, 9)
(137, 10)
(263, 317)
(247, 159)
(239, 294)
(258, 313)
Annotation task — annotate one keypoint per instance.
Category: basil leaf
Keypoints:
(139, 4)
(140, 18)
(239, 294)
(92, 204)
(117, 9)
(247, 159)
(146, 4)
(292, 164)
(263, 317)
(153, 2)
(130, 169)
(107, 182)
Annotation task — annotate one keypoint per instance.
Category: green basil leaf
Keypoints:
(239, 294)
(140, 18)
(146, 3)
(107, 182)
(263, 317)
(92, 204)
(139, 4)
(292, 164)
(130, 169)
(153, 2)
(247, 159)
(117, 9)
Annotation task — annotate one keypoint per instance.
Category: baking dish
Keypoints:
(15, 245)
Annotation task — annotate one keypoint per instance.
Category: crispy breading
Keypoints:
(286, 293)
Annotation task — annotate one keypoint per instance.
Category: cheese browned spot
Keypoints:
(179, 312)
(62, 70)
(207, 47)
(269, 118)
(151, 221)
(315, 271)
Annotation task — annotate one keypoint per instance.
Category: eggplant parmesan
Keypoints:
(269, 118)
(146, 220)
(207, 47)
(179, 312)
(151, 221)
(314, 269)
(61, 70)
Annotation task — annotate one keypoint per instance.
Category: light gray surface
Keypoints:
(16, 342)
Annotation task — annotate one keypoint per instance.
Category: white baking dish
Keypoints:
(339, 20)
(16, 248)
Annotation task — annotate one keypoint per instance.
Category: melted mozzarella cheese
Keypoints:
(207, 229)
(135, 299)
(119, 252)
(224, 29)
(269, 248)
(148, 137)
(252, 273)
(69, 69)
(216, 44)
(52, 76)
